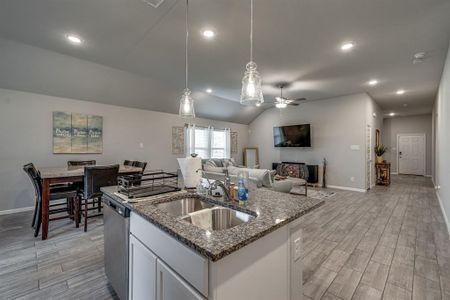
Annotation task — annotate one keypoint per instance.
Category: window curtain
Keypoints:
(228, 142)
(189, 140)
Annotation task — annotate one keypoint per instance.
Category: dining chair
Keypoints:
(139, 164)
(95, 177)
(81, 163)
(127, 163)
(56, 193)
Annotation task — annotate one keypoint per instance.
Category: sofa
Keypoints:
(216, 169)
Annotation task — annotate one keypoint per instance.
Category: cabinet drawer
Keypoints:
(187, 263)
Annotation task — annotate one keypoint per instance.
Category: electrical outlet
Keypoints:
(352, 179)
(141, 145)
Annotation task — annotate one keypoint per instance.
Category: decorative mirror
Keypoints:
(377, 137)
(251, 158)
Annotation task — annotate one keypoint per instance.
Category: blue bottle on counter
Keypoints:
(242, 189)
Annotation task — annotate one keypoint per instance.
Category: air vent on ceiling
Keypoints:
(153, 3)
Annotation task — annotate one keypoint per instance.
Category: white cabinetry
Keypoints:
(142, 271)
(162, 268)
(171, 286)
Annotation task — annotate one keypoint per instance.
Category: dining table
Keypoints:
(68, 174)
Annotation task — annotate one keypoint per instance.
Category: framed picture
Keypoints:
(234, 142)
(177, 140)
(77, 133)
(377, 137)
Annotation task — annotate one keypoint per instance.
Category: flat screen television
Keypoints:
(292, 136)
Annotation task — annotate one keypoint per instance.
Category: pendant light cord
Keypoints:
(251, 30)
(187, 43)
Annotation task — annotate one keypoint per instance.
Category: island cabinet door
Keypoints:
(170, 286)
(142, 278)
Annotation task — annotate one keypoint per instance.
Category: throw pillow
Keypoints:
(209, 163)
(227, 162)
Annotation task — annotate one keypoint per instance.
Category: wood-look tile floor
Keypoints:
(389, 243)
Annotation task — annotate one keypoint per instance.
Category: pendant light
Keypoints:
(186, 102)
(251, 93)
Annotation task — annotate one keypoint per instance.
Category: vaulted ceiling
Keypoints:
(296, 41)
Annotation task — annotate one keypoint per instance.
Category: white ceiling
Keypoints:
(295, 41)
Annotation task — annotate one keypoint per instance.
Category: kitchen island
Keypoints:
(182, 256)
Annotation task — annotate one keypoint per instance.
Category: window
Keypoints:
(207, 142)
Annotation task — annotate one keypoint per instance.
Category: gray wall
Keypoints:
(37, 70)
(410, 124)
(26, 136)
(337, 124)
(441, 116)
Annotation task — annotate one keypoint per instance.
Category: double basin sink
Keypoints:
(204, 214)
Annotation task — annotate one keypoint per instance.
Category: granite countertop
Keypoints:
(273, 210)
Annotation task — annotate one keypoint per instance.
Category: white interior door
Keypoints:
(411, 154)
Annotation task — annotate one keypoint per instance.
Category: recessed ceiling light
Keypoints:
(209, 91)
(400, 92)
(373, 82)
(208, 34)
(392, 114)
(347, 46)
(405, 105)
(74, 39)
(258, 104)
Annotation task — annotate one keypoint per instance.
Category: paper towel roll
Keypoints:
(189, 167)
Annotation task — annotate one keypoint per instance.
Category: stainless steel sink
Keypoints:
(184, 206)
(217, 218)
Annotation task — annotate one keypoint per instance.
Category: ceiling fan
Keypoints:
(283, 102)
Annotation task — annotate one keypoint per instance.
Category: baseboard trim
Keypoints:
(443, 213)
(16, 210)
(394, 173)
(346, 188)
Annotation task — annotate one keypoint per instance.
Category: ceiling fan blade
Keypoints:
(294, 104)
(300, 99)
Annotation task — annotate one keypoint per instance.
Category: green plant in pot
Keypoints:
(379, 151)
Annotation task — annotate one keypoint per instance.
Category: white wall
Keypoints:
(337, 124)
(26, 136)
(441, 116)
(409, 124)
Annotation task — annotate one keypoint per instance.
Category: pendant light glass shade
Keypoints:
(186, 102)
(251, 93)
(187, 105)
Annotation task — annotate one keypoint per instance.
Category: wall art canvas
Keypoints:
(234, 142)
(177, 140)
(77, 133)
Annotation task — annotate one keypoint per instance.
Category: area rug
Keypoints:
(312, 193)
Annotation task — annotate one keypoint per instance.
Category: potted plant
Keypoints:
(379, 151)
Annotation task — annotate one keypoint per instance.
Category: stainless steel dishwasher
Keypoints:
(116, 218)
